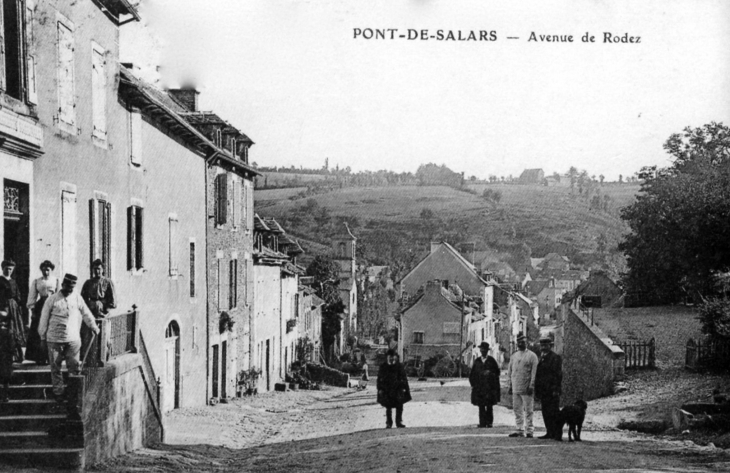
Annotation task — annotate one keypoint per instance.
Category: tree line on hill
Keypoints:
(678, 248)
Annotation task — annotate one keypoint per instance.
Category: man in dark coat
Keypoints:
(393, 389)
(484, 381)
(548, 382)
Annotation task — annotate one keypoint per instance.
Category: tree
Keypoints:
(325, 273)
(679, 222)
(573, 175)
(601, 177)
(426, 214)
(620, 178)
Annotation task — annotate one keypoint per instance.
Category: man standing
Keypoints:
(60, 327)
(521, 373)
(548, 384)
(393, 389)
(484, 381)
(98, 292)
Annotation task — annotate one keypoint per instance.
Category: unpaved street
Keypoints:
(342, 430)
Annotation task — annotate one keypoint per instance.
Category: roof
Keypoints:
(535, 262)
(531, 174)
(200, 118)
(524, 299)
(536, 286)
(158, 104)
(120, 7)
(259, 224)
(316, 301)
(273, 225)
(375, 271)
(459, 258)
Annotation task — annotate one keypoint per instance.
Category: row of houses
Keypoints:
(97, 163)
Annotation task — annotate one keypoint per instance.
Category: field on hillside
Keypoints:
(391, 224)
(290, 179)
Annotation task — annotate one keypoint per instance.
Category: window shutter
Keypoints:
(236, 204)
(32, 94)
(92, 232)
(171, 247)
(2, 50)
(65, 74)
(98, 91)
(131, 237)
(139, 243)
(135, 136)
(192, 269)
(68, 232)
(222, 198)
(106, 241)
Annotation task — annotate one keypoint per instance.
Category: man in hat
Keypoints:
(548, 384)
(60, 327)
(484, 381)
(393, 389)
(98, 292)
(521, 373)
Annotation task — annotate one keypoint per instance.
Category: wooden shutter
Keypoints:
(30, 79)
(68, 232)
(171, 248)
(3, 83)
(131, 238)
(92, 232)
(139, 237)
(65, 74)
(135, 136)
(98, 91)
(221, 198)
(105, 209)
(192, 269)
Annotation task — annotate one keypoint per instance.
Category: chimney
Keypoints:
(435, 245)
(187, 96)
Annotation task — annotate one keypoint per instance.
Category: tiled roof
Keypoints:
(273, 225)
(210, 118)
(156, 103)
(259, 224)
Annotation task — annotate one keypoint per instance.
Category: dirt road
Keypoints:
(342, 430)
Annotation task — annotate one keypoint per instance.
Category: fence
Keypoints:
(707, 354)
(119, 335)
(639, 353)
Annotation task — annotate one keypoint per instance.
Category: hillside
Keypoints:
(392, 226)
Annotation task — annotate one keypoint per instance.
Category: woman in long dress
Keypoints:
(10, 298)
(39, 291)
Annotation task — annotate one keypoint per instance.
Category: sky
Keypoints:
(293, 77)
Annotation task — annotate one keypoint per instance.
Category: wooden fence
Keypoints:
(707, 354)
(639, 353)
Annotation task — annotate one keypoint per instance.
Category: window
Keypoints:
(66, 100)
(221, 199)
(235, 207)
(234, 145)
(219, 275)
(11, 79)
(135, 230)
(135, 136)
(68, 232)
(192, 269)
(418, 338)
(247, 205)
(172, 239)
(100, 229)
(233, 284)
(296, 306)
(98, 91)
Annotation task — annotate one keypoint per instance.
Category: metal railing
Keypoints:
(119, 335)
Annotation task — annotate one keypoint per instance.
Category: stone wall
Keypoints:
(327, 375)
(591, 363)
(119, 414)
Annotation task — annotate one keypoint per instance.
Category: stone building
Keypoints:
(229, 243)
(344, 248)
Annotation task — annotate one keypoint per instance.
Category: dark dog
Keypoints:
(573, 416)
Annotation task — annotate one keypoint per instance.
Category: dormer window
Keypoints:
(233, 147)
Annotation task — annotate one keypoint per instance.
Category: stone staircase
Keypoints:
(32, 423)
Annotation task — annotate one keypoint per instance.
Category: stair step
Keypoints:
(44, 457)
(24, 423)
(33, 376)
(31, 391)
(37, 439)
(30, 406)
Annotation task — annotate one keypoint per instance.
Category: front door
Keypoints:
(171, 383)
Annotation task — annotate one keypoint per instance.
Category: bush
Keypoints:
(714, 314)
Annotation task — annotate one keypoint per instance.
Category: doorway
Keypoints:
(172, 367)
(16, 232)
(268, 365)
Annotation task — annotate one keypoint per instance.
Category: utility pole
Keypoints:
(461, 332)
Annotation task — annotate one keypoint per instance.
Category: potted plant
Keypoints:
(247, 382)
